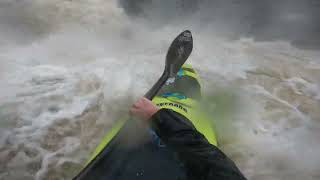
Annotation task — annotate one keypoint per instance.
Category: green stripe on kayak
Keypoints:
(107, 138)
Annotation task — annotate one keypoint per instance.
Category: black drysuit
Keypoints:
(202, 161)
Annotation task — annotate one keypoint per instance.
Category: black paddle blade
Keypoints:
(179, 52)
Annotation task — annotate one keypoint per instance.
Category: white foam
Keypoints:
(301, 86)
(61, 92)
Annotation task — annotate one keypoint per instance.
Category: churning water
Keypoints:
(70, 68)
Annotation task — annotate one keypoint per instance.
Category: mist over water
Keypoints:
(295, 21)
(70, 69)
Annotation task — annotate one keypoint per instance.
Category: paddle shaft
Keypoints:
(157, 86)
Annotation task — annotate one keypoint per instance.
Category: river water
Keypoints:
(70, 69)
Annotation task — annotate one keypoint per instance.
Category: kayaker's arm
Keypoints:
(202, 160)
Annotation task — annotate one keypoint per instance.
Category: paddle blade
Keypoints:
(178, 53)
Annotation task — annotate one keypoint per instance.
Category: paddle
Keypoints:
(177, 55)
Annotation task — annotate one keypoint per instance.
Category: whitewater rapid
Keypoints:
(70, 69)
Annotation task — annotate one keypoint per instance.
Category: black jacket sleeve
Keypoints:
(202, 160)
